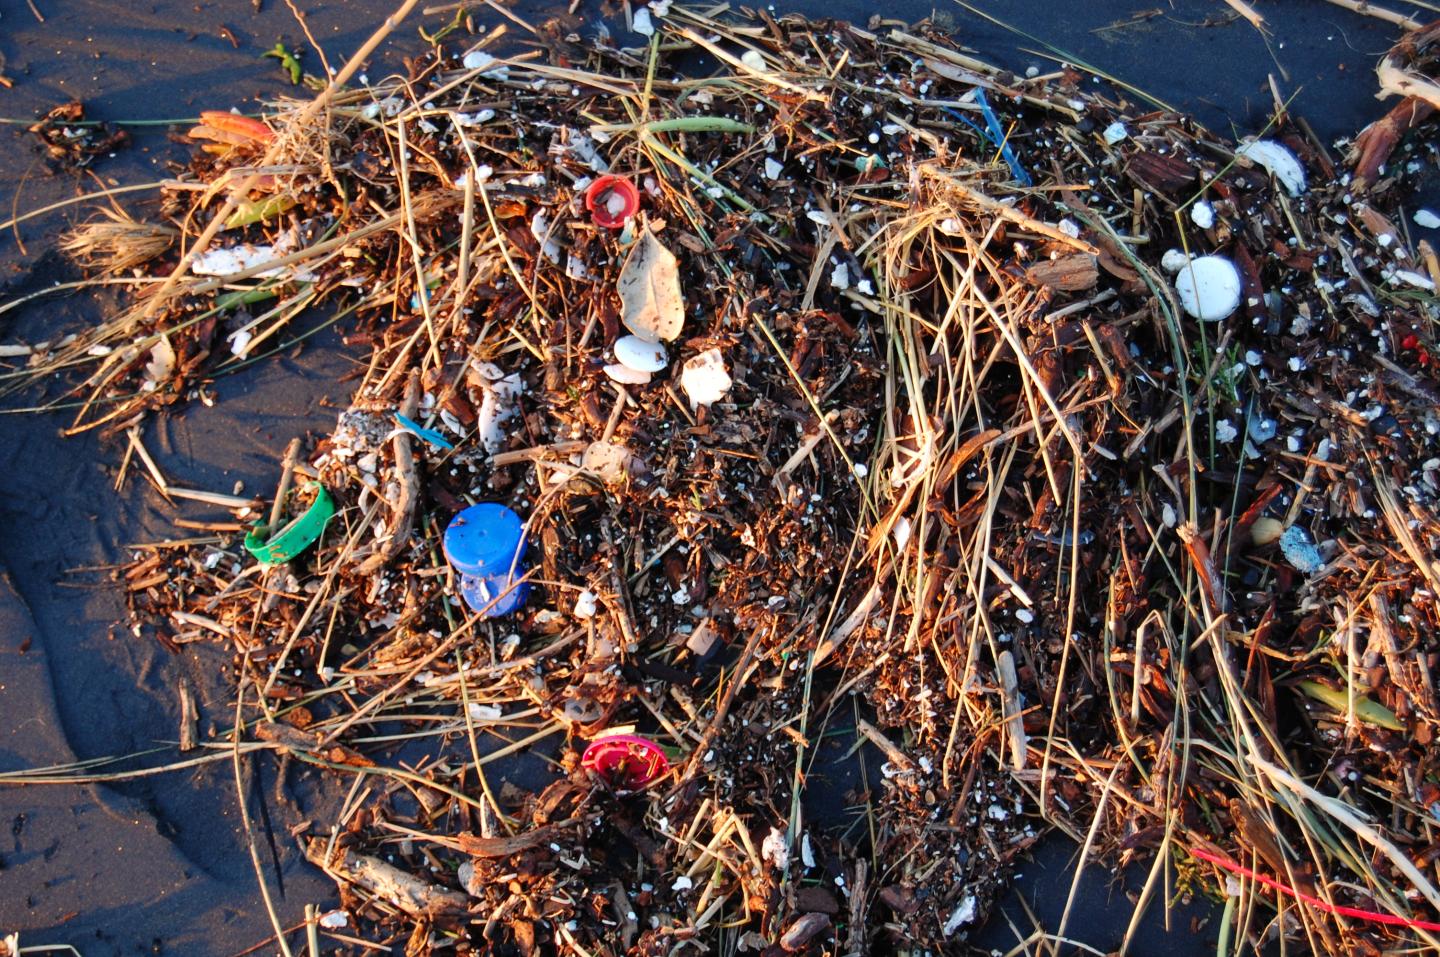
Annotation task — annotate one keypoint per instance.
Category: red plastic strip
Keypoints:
(1373, 916)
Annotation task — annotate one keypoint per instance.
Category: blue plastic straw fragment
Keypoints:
(997, 136)
(429, 435)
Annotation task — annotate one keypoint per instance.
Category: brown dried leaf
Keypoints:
(651, 305)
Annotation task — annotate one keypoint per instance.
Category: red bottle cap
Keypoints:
(597, 201)
(627, 762)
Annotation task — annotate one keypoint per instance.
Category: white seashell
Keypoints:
(704, 378)
(626, 375)
(1278, 161)
(639, 354)
(1209, 288)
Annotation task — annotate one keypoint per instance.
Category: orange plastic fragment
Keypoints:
(231, 129)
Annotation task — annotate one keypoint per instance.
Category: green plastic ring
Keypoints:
(294, 538)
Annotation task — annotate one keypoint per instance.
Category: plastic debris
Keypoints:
(1278, 160)
(1202, 214)
(612, 201)
(292, 539)
(642, 355)
(623, 374)
(1299, 551)
(1209, 288)
(498, 406)
(627, 762)
(608, 461)
(705, 379)
(486, 543)
(418, 430)
(1174, 260)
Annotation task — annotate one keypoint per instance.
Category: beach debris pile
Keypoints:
(991, 454)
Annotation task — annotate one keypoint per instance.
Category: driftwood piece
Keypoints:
(392, 885)
(403, 520)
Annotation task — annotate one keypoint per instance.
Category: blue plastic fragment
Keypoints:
(429, 435)
(997, 137)
(1299, 551)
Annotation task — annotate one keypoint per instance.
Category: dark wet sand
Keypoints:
(160, 865)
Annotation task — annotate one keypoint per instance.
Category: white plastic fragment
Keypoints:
(334, 920)
(901, 531)
(474, 119)
(161, 364)
(1410, 277)
(705, 379)
(498, 406)
(608, 461)
(639, 354)
(1209, 288)
(963, 914)
(585, 605)
(240, 342)
(641, 22)
(1278, 161)
(754, 61)
(773, 168)
(485, 712)
(625, 375)
(1202, 214)
(776, 849)
(482, 174)
(1115, 132)
(1426, 219)
(1174, 260)
(540, 229)
(228, 262)
(480, 60)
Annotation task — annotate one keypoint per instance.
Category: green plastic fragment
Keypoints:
(295, 537)
(869, 163)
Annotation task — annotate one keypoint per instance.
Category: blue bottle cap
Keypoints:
(484, 539)
(480, 590)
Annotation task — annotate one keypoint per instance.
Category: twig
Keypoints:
(403, 513)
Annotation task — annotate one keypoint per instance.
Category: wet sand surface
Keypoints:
(160, 864)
